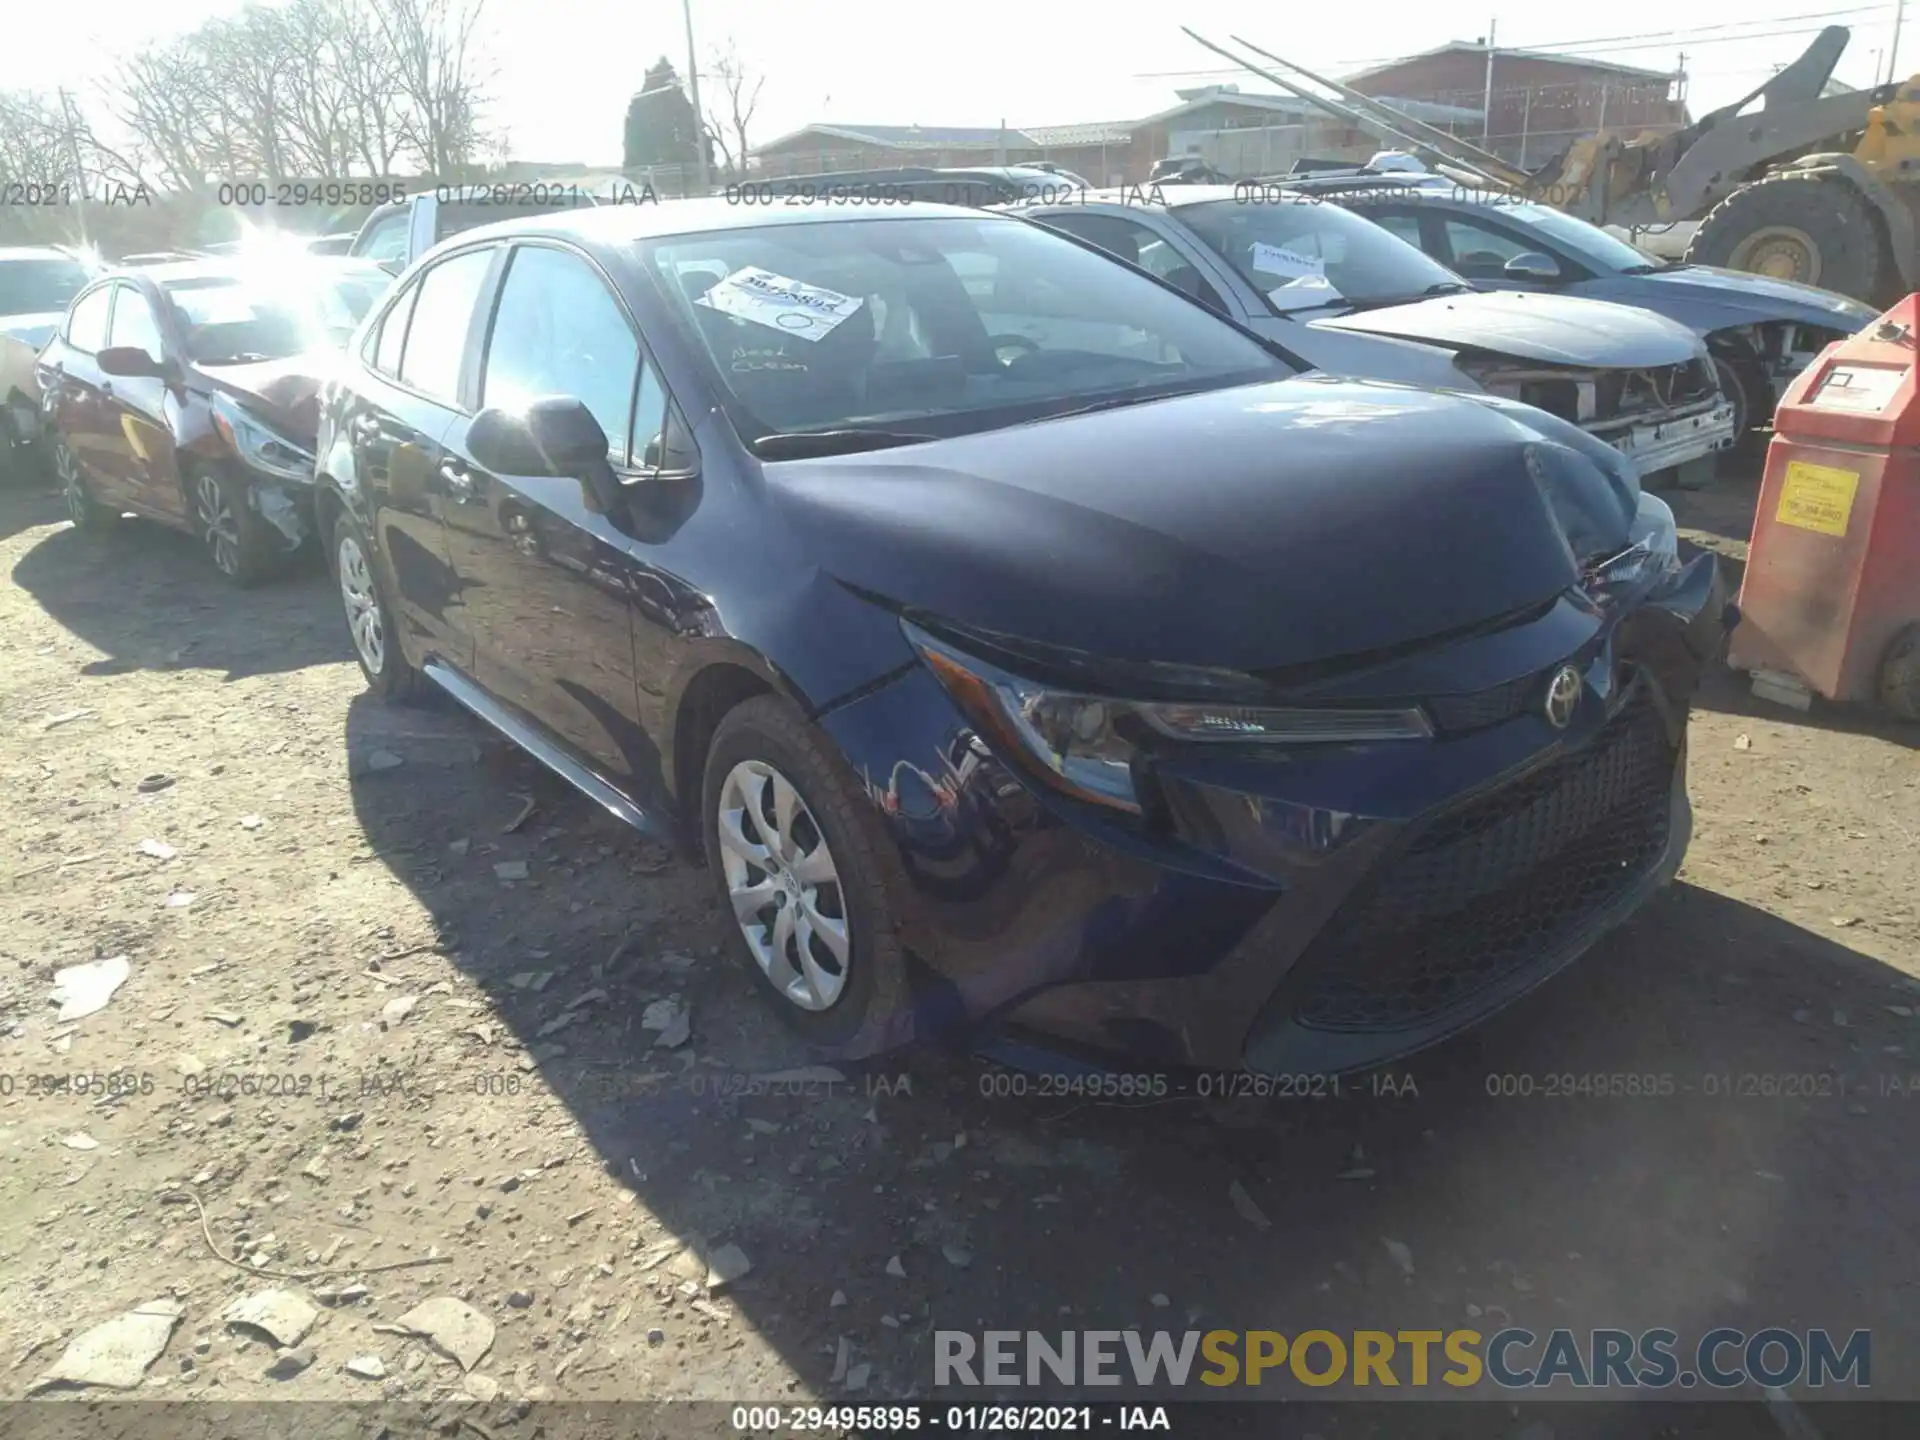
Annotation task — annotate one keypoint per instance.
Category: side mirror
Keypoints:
(1532, 266)
(555, 435)
(132, 363)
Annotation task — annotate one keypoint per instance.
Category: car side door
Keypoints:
(78, 403)
(394, 417)
(1480, 247)
(553, 618)
(140, 408)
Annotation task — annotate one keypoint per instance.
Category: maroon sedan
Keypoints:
(186, 393)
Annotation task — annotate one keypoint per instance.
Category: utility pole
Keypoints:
(1486, 111)
(1681, 75)
(693, 93)
(1893, 46)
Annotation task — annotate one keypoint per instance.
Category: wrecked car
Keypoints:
(186, 393)
(1024, 649)
(37, 283)
(1761, 332)
(1355, 300)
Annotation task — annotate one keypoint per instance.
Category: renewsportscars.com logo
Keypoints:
(1513, 1358)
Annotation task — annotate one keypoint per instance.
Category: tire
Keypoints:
(759, 746)
(242, 546)
(88, 515)
(1746, 385)
(19, 462)
(1900, 674)
(369, 614)
(1816, 228)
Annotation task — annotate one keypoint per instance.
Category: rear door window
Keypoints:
(442, 316)
(386, 240)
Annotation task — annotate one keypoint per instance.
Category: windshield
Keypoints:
(1589, 242)
(234, 319)
(1302, 253)
(40, 287)
(935, 326)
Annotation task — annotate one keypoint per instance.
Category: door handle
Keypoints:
(459, 480)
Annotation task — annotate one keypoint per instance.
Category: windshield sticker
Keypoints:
(807, 312)
(1304, 293)
(1278, 260)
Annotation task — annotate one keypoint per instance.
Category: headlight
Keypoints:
(1653, 547)
(1087, 745)
(258, 446)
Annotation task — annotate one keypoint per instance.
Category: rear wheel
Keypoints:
(1813, 228)
(370, 624)
(86, 513)
(799, 871)
(1900, 675)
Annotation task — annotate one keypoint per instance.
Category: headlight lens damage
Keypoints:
(258, 446)
(1087, 745)
(1653, 548)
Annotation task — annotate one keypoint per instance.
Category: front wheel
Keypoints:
(86, 513)
(243, 546)
(799, 871)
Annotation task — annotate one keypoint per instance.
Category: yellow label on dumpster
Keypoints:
(1817, 497)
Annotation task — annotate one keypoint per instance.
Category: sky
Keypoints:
(564, 69)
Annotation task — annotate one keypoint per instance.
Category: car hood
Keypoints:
(1553, 329)
(1254, 527)
(1767, 298)
(284, 393)
(34, 330)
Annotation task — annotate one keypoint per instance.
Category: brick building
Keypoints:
(1541, 102)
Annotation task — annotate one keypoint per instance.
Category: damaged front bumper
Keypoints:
(1669, 442)
(1320, 909)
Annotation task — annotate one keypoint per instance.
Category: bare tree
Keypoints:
(740, 97)
(436, 45)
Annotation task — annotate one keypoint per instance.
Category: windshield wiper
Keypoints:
(1115, 402)
(1446, 287)
(804, 444)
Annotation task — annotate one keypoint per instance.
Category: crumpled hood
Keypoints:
(284, 393)
(33, 330)
(1553, 329)
(1769, 299)
(1247, 528)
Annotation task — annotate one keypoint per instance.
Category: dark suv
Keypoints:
(1019, 642)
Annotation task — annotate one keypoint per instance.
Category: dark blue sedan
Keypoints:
(1760, 331)
(1023, 648)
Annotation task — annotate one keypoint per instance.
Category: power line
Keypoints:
(1619, 43)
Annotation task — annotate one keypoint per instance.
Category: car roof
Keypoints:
(235, 268)
(615, 225)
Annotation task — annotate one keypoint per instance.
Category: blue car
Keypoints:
(1024, 649)
(1760, 331)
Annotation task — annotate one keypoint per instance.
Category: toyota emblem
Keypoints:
(1563, 697)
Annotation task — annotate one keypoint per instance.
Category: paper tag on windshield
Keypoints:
(1278, 260)
(807, 312)
(1304, 293)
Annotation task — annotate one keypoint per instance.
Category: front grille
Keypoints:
(1481, 892)
(1481, 708)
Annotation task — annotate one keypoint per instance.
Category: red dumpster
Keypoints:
(1831, 599)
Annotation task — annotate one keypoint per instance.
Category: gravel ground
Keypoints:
(405, 1021)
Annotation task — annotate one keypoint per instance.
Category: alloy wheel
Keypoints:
(71, 488)
(784, 885)
(218, 528)
(363, 605)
